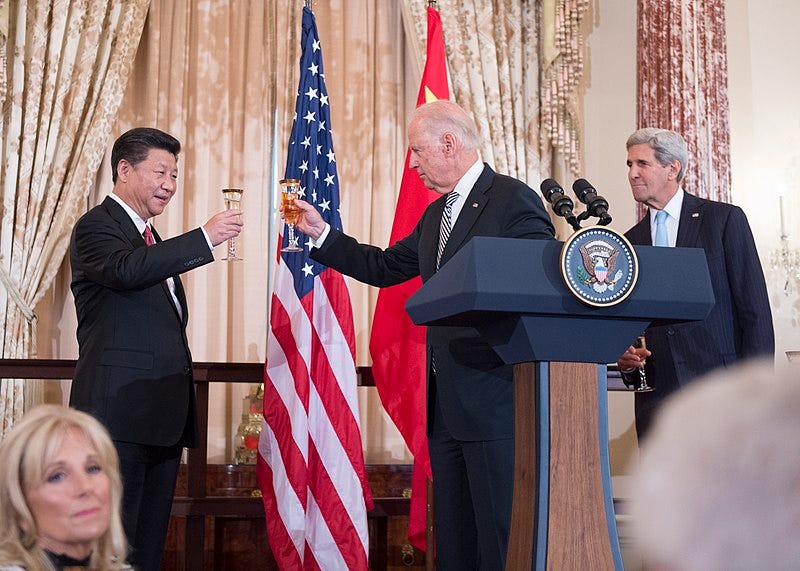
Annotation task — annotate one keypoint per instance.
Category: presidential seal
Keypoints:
(599, 266)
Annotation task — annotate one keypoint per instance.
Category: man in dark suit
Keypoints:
(740, 324)
(470, 403)
(134, 369)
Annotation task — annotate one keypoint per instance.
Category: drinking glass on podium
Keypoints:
(233, 201)
(289, 192)
(640, 348)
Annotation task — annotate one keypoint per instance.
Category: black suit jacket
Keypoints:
(740, 323)
(134, 369)
(474, 387)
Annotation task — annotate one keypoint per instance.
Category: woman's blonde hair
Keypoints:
(24, 455)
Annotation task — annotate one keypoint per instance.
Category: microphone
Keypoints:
(562, 205)
(596, 205)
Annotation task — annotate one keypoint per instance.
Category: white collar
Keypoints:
(673, 207)
(135, 218)
(468, 180)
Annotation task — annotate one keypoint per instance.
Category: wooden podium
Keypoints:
(512, 292)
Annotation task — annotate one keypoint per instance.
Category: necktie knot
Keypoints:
(148, 235)
(661, 229)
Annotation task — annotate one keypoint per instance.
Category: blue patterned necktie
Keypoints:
(446, 225)
(661, 229)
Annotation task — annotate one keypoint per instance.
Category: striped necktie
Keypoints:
(661, 229)
(446, 225)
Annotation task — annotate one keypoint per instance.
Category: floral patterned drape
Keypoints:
(3, 50)
(682, 69)
(69, 62)
(493, 58)
(516, 66)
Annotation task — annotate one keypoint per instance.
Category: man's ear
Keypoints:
(449, 143)
(124, 168)
(674, 170)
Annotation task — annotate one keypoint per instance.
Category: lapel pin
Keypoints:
(695, 215)
(474, 205)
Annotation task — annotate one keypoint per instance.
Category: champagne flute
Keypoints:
(291, 186)
(640, 348)
(233, 201)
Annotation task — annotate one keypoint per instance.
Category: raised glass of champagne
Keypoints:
(233, 201)
(289, 190)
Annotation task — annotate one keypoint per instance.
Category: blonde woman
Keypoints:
(60, 494)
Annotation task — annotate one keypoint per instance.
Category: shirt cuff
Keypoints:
(208, 240)
(319, 241)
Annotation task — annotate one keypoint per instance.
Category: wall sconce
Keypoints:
(786, 260)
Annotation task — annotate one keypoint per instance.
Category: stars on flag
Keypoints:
(311, 158)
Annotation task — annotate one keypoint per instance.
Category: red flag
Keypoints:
(397, 345)
(310, 464)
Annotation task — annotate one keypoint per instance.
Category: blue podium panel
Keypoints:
(524, 338)
(512, 291)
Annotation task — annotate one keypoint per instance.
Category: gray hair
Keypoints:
(719, 474)
(667, 146)
(443, 116)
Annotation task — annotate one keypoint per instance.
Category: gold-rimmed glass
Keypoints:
(233, 201)
(290, 188)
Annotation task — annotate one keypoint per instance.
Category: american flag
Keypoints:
(310, 465)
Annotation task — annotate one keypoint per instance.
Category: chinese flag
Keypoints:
(397, 345)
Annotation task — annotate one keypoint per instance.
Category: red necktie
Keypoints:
(149, 241)
(148, 235)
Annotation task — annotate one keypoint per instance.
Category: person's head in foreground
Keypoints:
(60, 492)
(718, 487)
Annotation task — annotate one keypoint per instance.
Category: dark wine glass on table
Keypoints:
(640, 348)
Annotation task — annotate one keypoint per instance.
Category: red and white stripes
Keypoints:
(310, 466)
